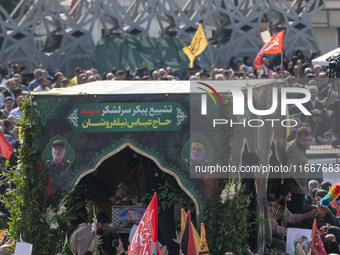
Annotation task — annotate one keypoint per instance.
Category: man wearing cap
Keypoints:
(197, 153)
(74, 80)
(58, 166)
(60, 80)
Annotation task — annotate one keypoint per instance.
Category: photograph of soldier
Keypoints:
(58, 166)
(197, 151)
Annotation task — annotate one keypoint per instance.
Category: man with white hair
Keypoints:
(314, 102)
(58, 166)
(155, 75)
(162, 73)
(37, 75)
(308, 70)
(219, 77)
(317, 69)
(312, 184)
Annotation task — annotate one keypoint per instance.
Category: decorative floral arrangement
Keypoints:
(52, 217)
(228, 193)
(229, 218)
(33, 211)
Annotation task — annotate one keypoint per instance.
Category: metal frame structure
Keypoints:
(44, 32)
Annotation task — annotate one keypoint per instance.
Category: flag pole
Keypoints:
(156, 248)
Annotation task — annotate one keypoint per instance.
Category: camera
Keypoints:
(334, 66)
(115, 239)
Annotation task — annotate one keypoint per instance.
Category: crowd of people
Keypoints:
(280, 217)
(294, 202)
(298, 72)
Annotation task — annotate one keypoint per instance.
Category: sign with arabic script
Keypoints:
(112, 117)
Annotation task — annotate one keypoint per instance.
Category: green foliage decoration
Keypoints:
(169, 194)
(227, 220)
(227, 216)
(36, 217)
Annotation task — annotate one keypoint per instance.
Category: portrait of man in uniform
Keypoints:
(197, 151)
(58, 166)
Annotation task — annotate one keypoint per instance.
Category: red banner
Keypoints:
(146, 233)
(6, 148)
(273, 46)
(318, 244)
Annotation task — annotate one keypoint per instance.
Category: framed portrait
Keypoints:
(127, 216)
(58, 156)
(298, 237)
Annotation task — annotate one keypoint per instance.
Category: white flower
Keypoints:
(232, 191)
(223, 196)
(228, 193)
(50, 214)
(93, 227)
(54, 225)
(62, 210)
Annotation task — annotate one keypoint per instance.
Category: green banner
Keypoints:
(113, 117)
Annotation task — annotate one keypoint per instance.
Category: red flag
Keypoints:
(146, 233)
(188, 240)
(273, 46)
(318, 244)
(6, 148)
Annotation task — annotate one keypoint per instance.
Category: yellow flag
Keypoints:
(2, 234)
(197, 46)
(183, 222)
(204, 250)
(196, 237)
